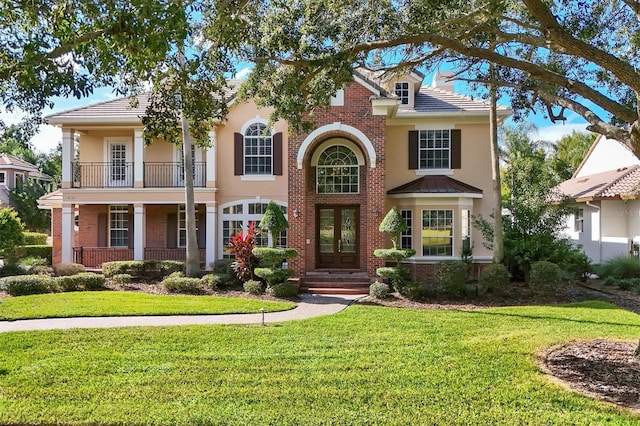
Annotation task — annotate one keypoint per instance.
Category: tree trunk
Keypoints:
(637, 352)
(498, 239)
(193, 257)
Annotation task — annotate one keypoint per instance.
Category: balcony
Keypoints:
(120, 175)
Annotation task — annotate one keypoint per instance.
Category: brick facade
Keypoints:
(303, 198)
(56, 236)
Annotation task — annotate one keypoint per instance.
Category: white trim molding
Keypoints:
(337, 126)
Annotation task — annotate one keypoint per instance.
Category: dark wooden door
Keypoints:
(337, 236)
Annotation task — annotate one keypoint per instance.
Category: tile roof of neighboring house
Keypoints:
(8, 161)
(434, 184)
(620, 183)
(115, 110)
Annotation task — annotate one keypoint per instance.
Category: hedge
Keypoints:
(21, 285)
(148, 269)
(35, 250)
(34, 238)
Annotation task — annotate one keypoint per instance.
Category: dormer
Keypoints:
(405, 88)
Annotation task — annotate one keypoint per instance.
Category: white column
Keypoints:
(68, 136)
(211, 160)
(67, 234)
(212, 226)
(138, 159)
(138, 231)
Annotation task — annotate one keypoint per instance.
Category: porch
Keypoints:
(94, 257)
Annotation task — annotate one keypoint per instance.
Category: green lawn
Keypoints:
(118, 303)
(366, 365)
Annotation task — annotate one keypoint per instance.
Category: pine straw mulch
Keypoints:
(603, 369)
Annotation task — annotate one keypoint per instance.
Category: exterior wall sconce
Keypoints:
(296, 213)
(376, 213)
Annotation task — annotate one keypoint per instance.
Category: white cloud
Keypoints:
(48, 138)
(242, 74)
(555, 132)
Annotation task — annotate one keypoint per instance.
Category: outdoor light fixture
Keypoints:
(262, 311)
(295, 213)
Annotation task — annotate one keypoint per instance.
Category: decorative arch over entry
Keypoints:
(337, 127)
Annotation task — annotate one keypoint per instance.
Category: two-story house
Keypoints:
(381, 143)
(13, 172)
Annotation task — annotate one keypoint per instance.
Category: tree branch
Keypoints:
(561, 38)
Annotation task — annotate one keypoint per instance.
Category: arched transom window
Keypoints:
(258, 157)
(337, 171)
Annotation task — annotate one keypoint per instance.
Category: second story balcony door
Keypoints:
(119, 172)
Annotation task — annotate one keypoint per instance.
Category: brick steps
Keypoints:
(335, 282)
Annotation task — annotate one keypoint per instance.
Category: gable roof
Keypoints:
(13, 162)
(435, 184)
(605, 154)
(620, 183)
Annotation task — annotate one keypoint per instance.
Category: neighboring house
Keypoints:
(13, 171)
(606, 221)
(381, 143)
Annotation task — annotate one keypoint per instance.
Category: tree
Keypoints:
(24, 199)
(569, 153)
(547, 55)
(273, 221)
(10, 231)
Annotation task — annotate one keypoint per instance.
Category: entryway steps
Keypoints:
(335, 282)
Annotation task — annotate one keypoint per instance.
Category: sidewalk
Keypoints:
(309, 306)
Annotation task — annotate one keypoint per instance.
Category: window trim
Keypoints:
(427, 149)
(404, 99)
(407, 236)
(578, 220)
(120, 208)
(245, 129)
(451, 237)
(3, 180)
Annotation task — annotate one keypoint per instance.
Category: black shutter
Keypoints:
(202, 227)
(277, 154)
(456, 149)
(238, 154)
(130, 232)
(172, 230)
(413, 149)
(103, 229)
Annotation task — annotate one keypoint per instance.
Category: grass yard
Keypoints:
(118, 303)
(366, 365)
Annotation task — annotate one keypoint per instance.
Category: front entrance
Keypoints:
(337, 236)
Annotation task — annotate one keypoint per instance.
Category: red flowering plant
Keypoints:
(241, 246)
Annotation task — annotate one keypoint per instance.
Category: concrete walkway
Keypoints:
(309, 306)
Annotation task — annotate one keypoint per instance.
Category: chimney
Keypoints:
(443, 80)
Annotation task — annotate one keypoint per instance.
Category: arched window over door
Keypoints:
(337, 171)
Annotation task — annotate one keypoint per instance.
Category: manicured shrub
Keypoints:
(178, 283)
(145, 269)
(222, 267)
(21, 285)
(80, 282)
(494, 278)
(285, 289)
(416, 291)
(64, 269)
(11, 269)
(379, 290)
(451, 277)
(545, 277)
(34, 238)
(211, 281)
(121, 279)
(10, 231)
(397, 275)
(20, 252)
(241, 246)
(253, 287)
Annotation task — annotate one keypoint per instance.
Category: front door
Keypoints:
(337, 236)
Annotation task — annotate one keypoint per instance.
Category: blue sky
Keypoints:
(50, 136)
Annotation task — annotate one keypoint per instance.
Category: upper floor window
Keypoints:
(402, 91)
(258, 153)
(3, 178)
(337, 171)
(258, 150)
(434, 149)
